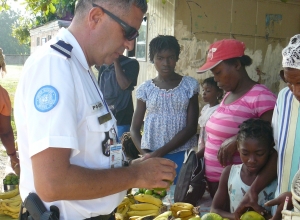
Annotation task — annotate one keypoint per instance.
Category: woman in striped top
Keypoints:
(244, 99)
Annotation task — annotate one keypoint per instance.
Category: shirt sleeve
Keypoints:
(193, 87)
(56, 127)
(131, 70)
(5, 104)
(265, 101)
(141, 91)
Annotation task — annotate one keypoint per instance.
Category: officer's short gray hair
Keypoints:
(111, 5)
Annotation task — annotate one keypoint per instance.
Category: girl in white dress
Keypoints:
(211, 94)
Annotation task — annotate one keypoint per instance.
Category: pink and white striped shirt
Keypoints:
(224, 123)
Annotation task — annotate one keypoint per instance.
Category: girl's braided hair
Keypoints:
(256, 129)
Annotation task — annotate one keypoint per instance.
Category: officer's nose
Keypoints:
(129, 45)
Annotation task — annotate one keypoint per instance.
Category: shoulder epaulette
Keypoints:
(63, 48)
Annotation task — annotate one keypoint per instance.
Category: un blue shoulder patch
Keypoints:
(46, 98)
(63, 48)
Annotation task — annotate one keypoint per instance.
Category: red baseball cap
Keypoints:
(222, 50)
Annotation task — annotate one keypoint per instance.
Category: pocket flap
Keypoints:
(94, 125)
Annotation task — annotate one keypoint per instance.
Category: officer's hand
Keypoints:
(279, 201)
(153, 172)
(249, 202)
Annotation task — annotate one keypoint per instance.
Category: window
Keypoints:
(140, 49)
(37, 41)
(44, 40)
(49, 37)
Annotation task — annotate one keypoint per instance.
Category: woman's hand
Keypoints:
(249, 201)
(15, 164)
(227, 150)
(279, 201)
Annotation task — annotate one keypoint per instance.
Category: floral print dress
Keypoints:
(166, 112)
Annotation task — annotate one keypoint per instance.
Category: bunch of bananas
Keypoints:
(10, 203)
(123, 207)
(147, 205)
(164, 216)
(184, 211)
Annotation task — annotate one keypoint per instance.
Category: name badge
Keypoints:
(116, 156)
(97, 106)
(104, 118)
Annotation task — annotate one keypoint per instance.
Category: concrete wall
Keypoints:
(161, 20)
(13, 59)
(264, 25)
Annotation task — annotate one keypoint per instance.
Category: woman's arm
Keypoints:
(186, 133)
(8, 141)
(137, 122)
(221, 200)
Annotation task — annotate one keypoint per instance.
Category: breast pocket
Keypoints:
(94, 125)
(95, 135)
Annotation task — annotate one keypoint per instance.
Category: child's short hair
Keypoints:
(161, 43)
(211, 81)
(256, 129)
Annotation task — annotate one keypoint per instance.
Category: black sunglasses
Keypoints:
(130, 32)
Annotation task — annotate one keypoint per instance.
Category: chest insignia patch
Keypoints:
(46, 98)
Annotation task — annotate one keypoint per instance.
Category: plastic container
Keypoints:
(9, 187)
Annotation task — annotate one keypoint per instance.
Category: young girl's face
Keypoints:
(254, 154)
(210, 93)
(165, 62)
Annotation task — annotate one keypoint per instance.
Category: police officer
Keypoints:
(66, 132)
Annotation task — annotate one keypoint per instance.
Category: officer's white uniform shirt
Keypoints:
(68, 120)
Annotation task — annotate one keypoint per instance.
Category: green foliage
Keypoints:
(8, 42)
(4, 6)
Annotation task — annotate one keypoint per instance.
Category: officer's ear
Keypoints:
(95, 16)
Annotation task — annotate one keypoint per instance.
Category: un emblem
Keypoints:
(46, 98)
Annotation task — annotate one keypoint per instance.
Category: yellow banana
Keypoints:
(11, 214)
(120, 209)
(119, 216)
(124, 202)
(13, 199)
(164, 215)
(9, 194)
(184, 213)
(148, 199)
(188, 217)
(154, 212)
(180, 206)
(134, 217)
(14, 203)
(143, 206)
(131, 198)
(13, 209)
(125, 210)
